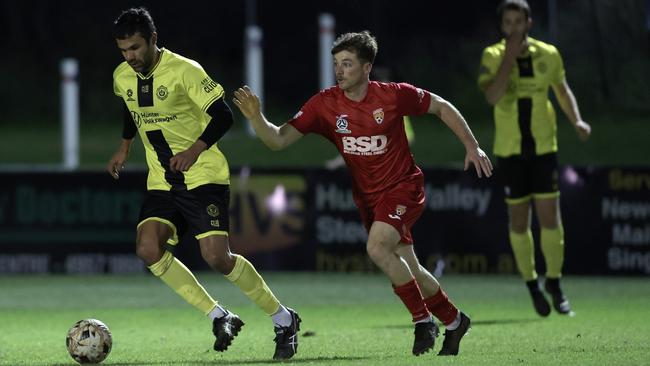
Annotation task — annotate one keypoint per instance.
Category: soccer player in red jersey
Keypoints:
(364, 120)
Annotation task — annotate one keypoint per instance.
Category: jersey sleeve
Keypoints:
(200, 88)
(307, 119)
(116, 89)
(559, 74)
(489, 66)
(411, 101)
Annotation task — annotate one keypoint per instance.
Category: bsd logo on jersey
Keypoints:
(365, 145)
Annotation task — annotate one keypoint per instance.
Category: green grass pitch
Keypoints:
(354, 319)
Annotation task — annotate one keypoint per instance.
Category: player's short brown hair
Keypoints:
(363, 44)
(519, 5)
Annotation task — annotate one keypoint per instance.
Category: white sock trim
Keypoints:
(217, 312)
(282, 317)
(455, 323)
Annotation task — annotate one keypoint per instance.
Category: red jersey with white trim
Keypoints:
(369, 134)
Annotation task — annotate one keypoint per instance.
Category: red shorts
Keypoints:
(399, 207)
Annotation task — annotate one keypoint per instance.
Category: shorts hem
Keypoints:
(518, 200)
(210, 233)
(546, 195)
(173, 240)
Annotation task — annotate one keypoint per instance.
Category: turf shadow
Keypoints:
(474, 322)
(297, 360)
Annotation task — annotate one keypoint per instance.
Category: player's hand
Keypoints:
(116, 164)
(583, 129)
(516, 44)
(183, 161)
(247, 102)
(480, 160)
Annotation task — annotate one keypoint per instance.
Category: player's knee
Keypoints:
(375, 249)
(519, 226)
(148, 250)
(223, 263)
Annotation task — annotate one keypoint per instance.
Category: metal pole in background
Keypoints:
(254, 56)
(69, 68)
(326, 25)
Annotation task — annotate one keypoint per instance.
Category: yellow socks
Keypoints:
(553, 250)
(251, 283)
(173, 273)
(524, 251)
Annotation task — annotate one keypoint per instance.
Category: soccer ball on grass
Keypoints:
(89, 341)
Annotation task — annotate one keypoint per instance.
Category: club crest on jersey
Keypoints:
(378, 115)
(342, 124)
(129, 95)
(400, 210)
(162, 92)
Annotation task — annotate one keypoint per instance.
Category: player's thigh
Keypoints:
(159, 223)
(514, 175)
(215, 247)
(382, 238)
(545, 174)
(152, 235)
(545, 190)
(401, 207)
(205, 208)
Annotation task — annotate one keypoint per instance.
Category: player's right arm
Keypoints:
(276, 138)
(495, 88)
(116, 163)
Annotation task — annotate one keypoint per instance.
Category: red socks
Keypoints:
(440, 306)
(411, 296)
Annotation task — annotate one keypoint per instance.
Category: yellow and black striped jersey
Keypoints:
(168, 107)
(524, 116)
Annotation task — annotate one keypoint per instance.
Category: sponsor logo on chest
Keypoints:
(365, 145)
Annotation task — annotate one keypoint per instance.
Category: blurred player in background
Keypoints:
(515, 76)
(364, 120)
(180, 114)
(380, 74)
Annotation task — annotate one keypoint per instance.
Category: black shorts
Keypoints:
(523, 177)
(202, 210)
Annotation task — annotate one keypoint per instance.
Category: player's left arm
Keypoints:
(220, 123)
(455, 121)
(569, 106)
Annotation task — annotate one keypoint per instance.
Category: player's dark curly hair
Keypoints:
(363, 44)
(132, 21)
(519, 5)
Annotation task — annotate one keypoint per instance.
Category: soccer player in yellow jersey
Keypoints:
(180, 114)
(515, 76)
